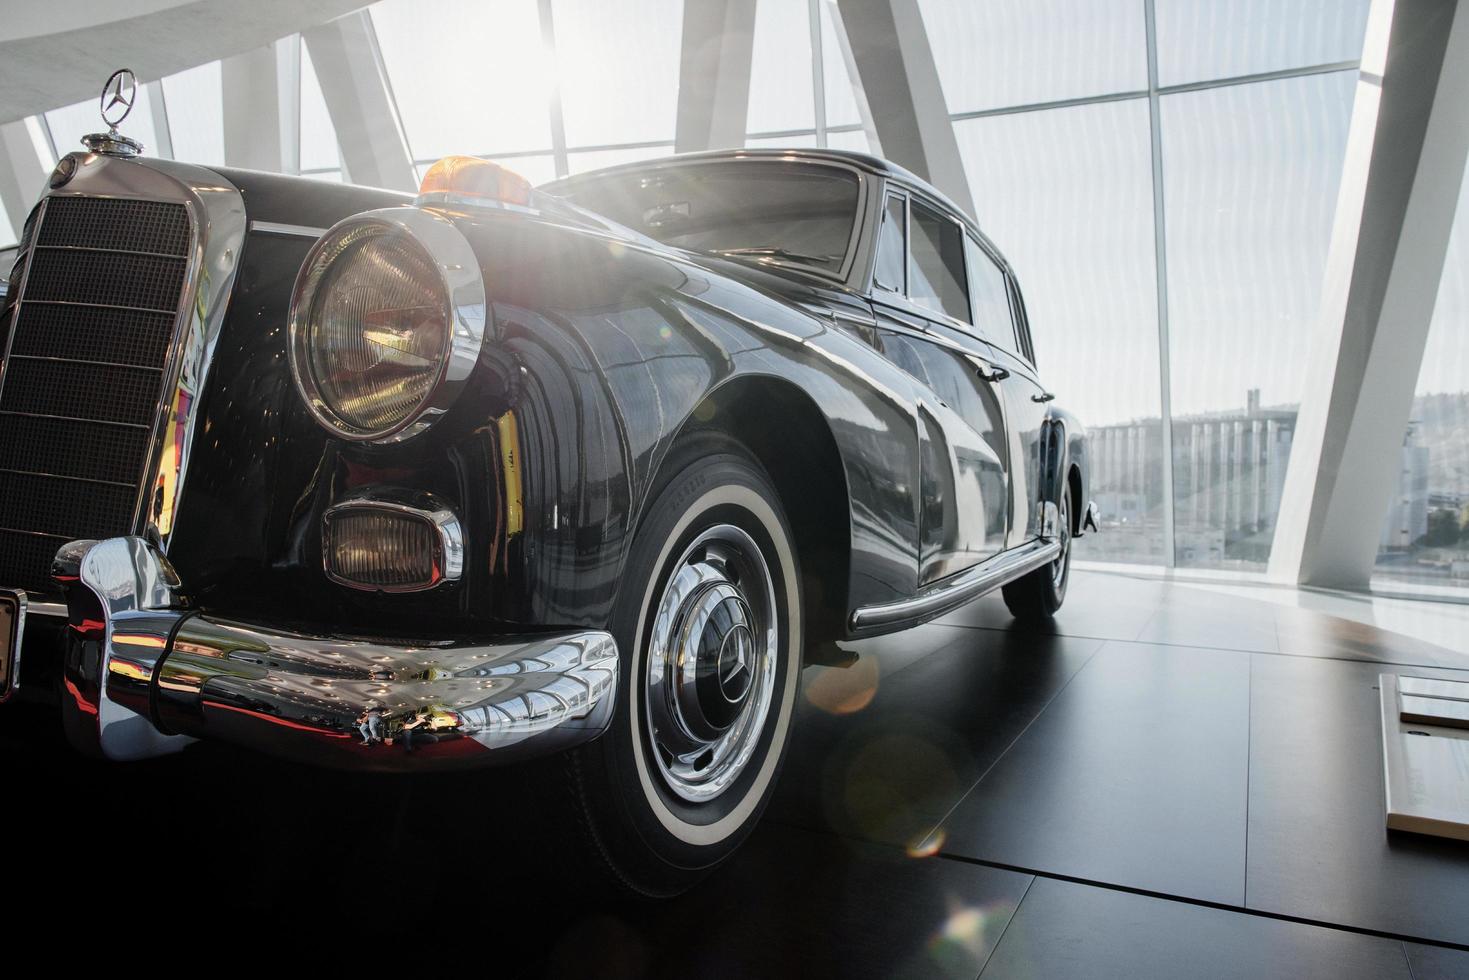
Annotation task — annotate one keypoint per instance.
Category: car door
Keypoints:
(920, 300)
(999, 315)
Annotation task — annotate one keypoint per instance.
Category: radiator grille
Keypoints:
(80, 387)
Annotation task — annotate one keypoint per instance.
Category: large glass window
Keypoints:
(1425, 536)
(468, 76)
(194, 100)
(320, 156)
(1066, 195)
(1204, 39)
(786, 214)
(936, 276)
(1250, 182)
(780, 68)
(988, 53)
(618, 65)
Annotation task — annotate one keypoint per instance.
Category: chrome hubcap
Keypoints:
(1063, 535)
(711, 663)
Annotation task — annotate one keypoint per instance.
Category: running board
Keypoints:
(970, 584)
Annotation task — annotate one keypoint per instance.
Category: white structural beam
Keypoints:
(56, 54)
(360, 102)
(896, 69)
(25, 160)
(849, 61)
(252, 110)
(714, 74)
(1406, 150)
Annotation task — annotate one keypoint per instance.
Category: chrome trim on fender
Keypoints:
(144, 674)
(449, 562)
(277, 228)
(10, 683)
(969, 584)
(464, 293)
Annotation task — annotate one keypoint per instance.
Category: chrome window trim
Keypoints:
(449, 557)
(464, 293)
(216, 212)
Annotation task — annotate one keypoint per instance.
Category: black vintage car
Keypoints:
(591, 469)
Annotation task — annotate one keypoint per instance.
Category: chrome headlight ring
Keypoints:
(463, 289)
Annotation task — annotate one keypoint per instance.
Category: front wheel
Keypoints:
(707, 623)
(1039, 594)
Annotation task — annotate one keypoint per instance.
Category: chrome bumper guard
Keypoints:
(144, 674)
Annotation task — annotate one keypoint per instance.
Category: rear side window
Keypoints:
(937, 278)
(892, 249)
(991, 302)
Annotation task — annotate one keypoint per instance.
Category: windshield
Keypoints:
(776, 211)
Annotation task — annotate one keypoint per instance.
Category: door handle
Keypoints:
(993, 375)
(1044, 396)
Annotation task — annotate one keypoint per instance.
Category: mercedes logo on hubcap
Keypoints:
(734, 667)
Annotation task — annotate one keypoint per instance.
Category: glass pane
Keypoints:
(780, 68)
(850, 139)
(68, 125)
(597, 159)
(841, 103)
(891, 249)
(8, 236)
(1066, 195)
(1017, 52)
(195, 103)
(1425, 537)
(1202, 39)
(468, 76)
(937, 281)
(619, 69)
(1250, 180)
(318, 135)
(537, 169)
(991, 302)
(779, 142)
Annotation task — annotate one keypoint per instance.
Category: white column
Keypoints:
(1406, 150)
(360, 102)
(895, 66)
(252, 110)
(714, 74)
(25, 160)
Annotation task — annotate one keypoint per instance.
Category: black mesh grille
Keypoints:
(93, 333)
(129, 226)
(82, 450)
(148, 282)
(79, 393)
(105, 394)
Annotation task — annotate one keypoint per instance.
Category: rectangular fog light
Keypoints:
(384, 546)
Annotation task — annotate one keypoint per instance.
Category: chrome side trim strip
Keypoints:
(969, 584)
(277, 228)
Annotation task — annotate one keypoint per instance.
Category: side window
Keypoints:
(1022, 322)
(892, 248)
(991, 302)
(937, 281)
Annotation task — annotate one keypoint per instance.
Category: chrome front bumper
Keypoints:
(144, 674)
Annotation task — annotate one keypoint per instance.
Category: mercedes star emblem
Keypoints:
(118, 96)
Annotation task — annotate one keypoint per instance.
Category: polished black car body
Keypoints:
(881, 410)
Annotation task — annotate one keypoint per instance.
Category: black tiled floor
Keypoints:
(1437, 963)
(1134, 775)
(1070, 930)
(1241, 776)
(1318, 847)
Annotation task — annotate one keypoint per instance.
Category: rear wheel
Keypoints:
(707, 622)
(1039, 594)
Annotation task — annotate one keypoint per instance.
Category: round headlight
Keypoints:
(379, 334)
